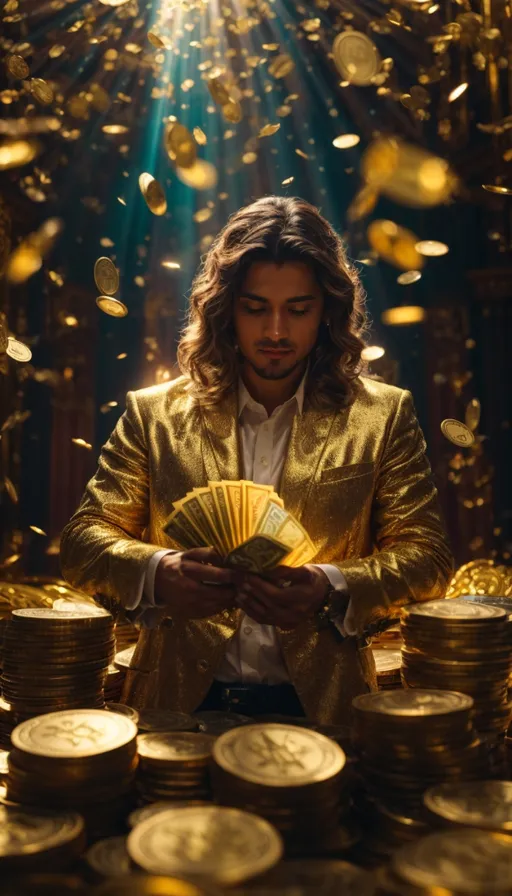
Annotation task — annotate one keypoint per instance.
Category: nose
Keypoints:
(277, 326)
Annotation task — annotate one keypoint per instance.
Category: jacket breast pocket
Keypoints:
(347, 471)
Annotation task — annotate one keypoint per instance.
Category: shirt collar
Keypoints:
(245, 400)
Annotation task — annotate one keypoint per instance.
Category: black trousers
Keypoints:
(253, 699)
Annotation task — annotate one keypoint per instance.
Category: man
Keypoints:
(271, 391)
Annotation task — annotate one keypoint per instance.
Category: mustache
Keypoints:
(279, 347)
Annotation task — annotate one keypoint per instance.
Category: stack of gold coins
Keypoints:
(505, 603)
(475, 804)
(291, 776)
(462, 862)
(465, 647)
(225, 846)
(81, 759)
(39, 840)
(127, 635)
(56, 660)
(409, 741)
(174, 766)
(113, 684)
(388, 664)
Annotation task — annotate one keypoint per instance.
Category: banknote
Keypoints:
(257, 553)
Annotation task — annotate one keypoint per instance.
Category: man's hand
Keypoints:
(193, 584)
(270, 603)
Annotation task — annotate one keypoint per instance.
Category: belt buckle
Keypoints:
(230, 699)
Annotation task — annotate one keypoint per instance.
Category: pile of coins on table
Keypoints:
(388, 664)
(291, 776)
(408, 741)
(174, 766)
(38, 840)
(311, 877)
(462, 862)
(462, 646)
(81, 759)
(225, 846)
(113, 687)
(217, 722)
(56, 660)
(474, 804)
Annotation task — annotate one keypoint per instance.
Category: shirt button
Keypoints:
(263, 461)
(202, 665)
(247, 630)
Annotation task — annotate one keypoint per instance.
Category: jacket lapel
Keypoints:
(220, 442)
(308, 437)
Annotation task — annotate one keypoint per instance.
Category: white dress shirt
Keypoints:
(253, 654)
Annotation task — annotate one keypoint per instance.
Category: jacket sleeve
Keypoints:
(412, 560)
(102, 547)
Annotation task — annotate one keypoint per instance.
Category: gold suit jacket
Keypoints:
(357, 478)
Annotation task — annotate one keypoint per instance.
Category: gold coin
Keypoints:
(202, 175)
(180, 145)
(28, 835)
(356, 57)
(232, 111)
(74, 734)
(481, 804)
(281, 66)
(153, 193)
(278, 755)
(106, 276)
(109, 857)
(225, 845)
(113, 307)
(17, 67)
(406, 173)
(41, 90)
(152, 720)
(456, 609)
(472, 415)
(166, 748)
(395, 244)
(363, 203)
(18, 350)
(461, 861)
(96, 617)
(408, 277)
(457, 432)
(413, 703)
(218, 90)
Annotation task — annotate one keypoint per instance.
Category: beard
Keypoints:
(272, 371)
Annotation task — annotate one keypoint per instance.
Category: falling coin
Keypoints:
(457, 432)
(202, 175)
(395, 244)
(431, 248)
(281, 66)
(106, 276)
(408, 277)
(472, 416)
(153, 193)
(18, 350)
(111, 306)
(41, 90)
(356, 57)
(17, 67)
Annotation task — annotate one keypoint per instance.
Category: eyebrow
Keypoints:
(252, 295)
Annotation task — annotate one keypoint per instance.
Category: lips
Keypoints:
(273, 353)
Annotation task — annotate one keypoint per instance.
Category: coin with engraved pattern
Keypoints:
(457, 433)
(109, 857)
(278, 755)
(225, 845)
(356, 57)
(413, 703)
(462, 861)
(456, 609)
(106, 276)
(175, 748)
(479, 804)
(17, 67)
(74, 734)
(144, 812)
(112, 306)
(28, 836)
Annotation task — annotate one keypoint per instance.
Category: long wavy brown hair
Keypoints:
(275, 229)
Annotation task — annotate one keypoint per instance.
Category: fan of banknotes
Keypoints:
(246, 523)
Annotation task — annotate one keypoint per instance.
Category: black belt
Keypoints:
(253, 699)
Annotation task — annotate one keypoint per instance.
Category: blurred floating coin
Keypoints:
(498, 188)
(17, 67)
(346, 141)
(408, 277)
(202, 175)
(406, 173)
(41, 90)
(18, 350)
(281, 66)
(356, 57)
(395, 244)
(472, 415)
(180, 145)
(432, 248)
(113, 307)
(14, 153)
(363, 203)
